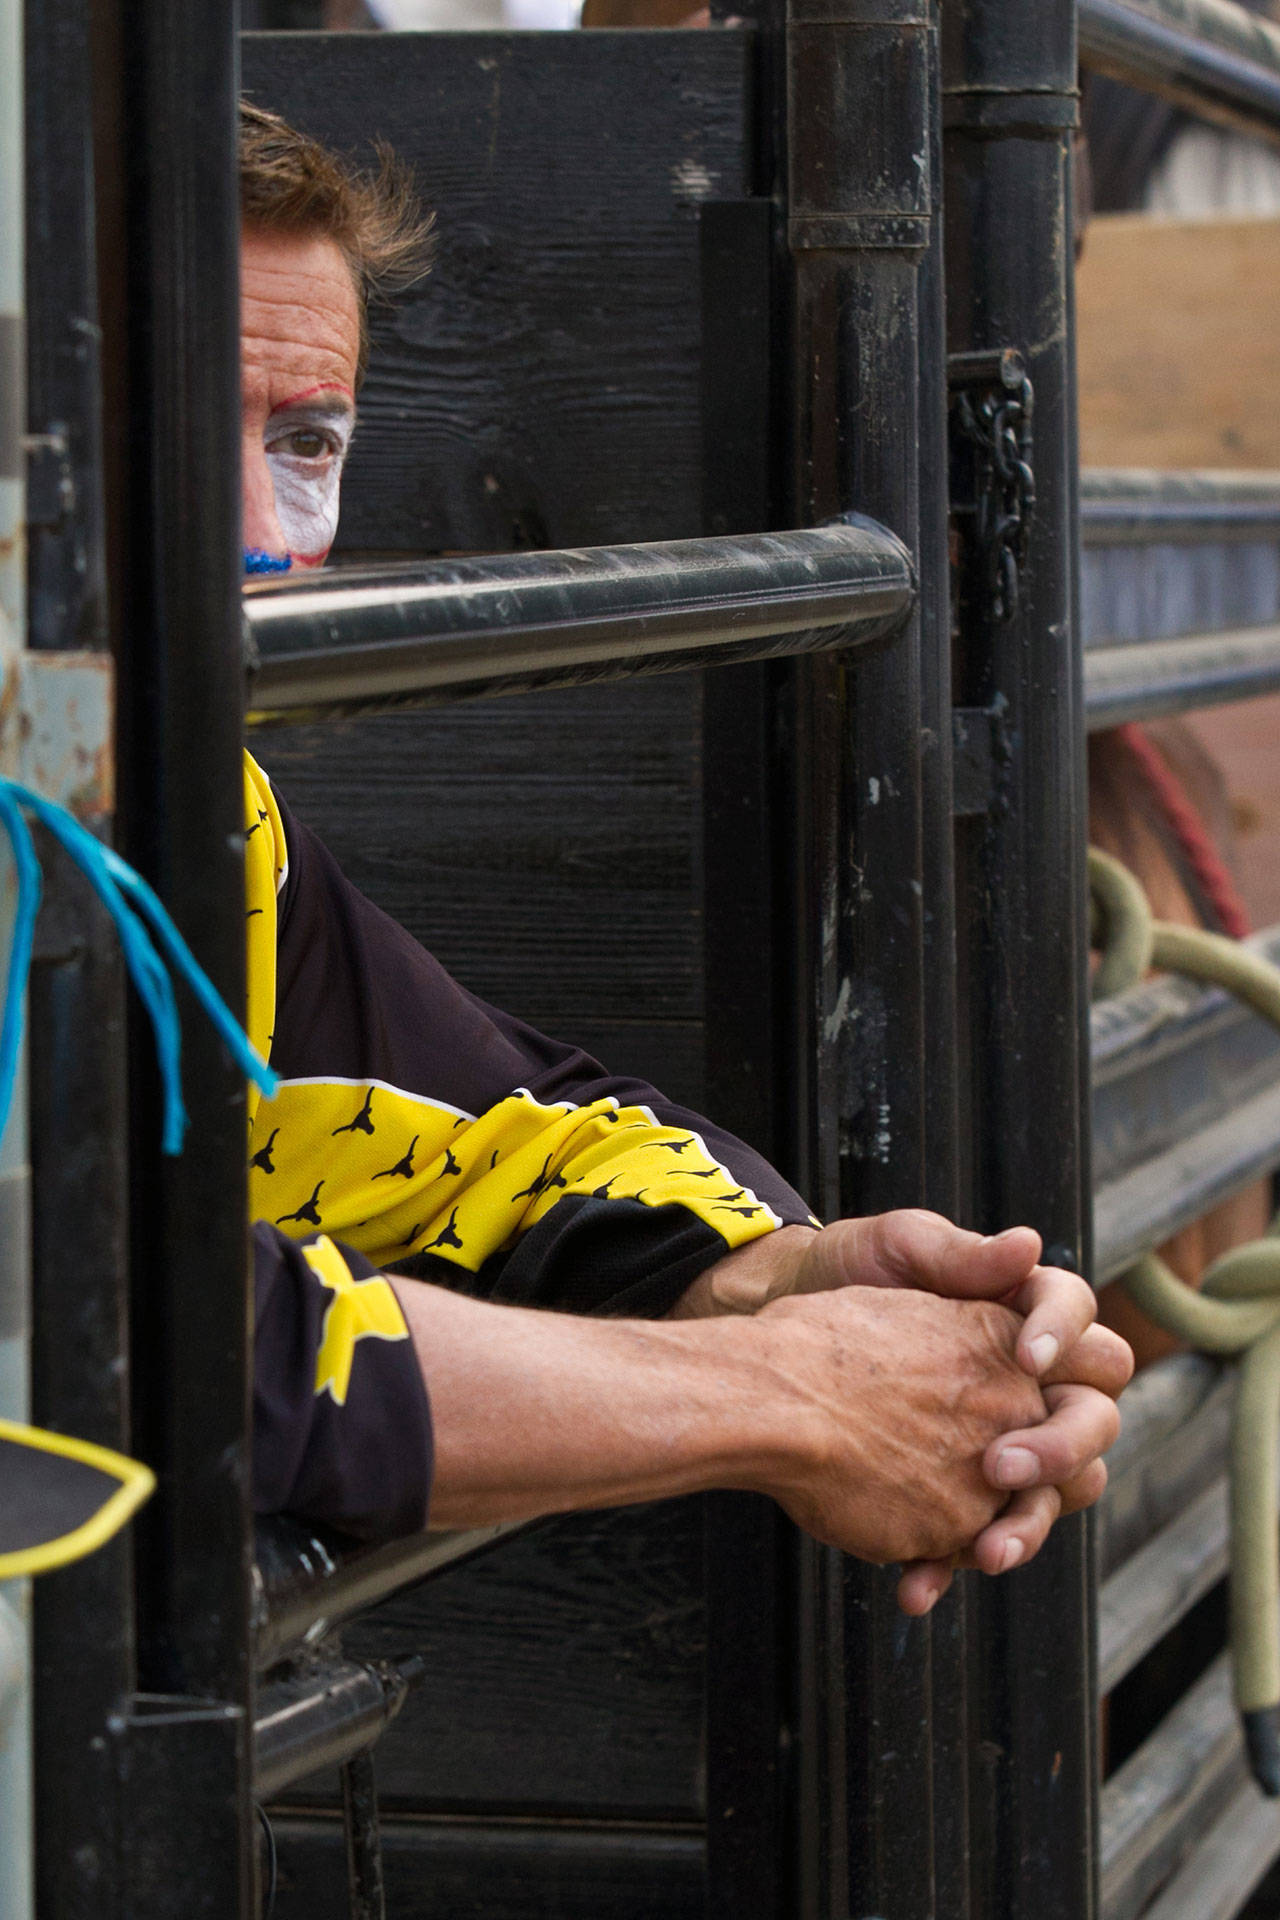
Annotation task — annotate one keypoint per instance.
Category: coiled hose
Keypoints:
(1235, 1314)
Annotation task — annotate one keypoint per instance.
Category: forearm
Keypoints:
(538, 1412)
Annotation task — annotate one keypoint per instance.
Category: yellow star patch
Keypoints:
(358, 1309)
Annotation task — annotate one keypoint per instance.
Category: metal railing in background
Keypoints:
(1181, 591)
(1186, 1084)
(1212, 58)
(1186, 1109)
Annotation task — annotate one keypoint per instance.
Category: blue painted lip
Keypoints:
(258, 561)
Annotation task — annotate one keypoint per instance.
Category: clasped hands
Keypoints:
(978, 1390)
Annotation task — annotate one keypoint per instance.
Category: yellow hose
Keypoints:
(1236, 1313)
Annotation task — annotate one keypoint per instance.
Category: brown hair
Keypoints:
(289, 183)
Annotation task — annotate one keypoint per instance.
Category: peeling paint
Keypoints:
(839, 1015)
(690, 180)
(64, 723)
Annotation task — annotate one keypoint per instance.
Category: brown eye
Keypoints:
(306, 444)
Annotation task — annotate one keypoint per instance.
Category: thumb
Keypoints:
(915, 1248)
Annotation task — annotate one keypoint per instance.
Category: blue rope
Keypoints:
(20, 947)
(131, 904)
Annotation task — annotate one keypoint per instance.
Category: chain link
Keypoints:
(998, 424)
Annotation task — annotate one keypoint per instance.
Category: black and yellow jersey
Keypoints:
(440, 1138)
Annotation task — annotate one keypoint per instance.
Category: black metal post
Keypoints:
(166, 81)
(1010, 108)
(83, 1615)
(863, 117)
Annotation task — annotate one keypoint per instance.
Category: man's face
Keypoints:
(299, 342)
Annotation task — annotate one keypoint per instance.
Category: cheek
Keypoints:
(306, 507)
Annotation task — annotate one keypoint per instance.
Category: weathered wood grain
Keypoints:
(547, 849)
(485, 1871)
(564, 1673)
(541, 387)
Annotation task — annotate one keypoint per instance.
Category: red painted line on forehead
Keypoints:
(321, 386)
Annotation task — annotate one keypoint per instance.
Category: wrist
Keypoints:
(538, 1413)
(747, 1278)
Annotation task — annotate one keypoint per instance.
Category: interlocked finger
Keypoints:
(1082, 1424)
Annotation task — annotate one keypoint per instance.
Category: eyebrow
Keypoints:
(330, 397)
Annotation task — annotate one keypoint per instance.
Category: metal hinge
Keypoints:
(980, 753)
(993, 483)
(51, 487)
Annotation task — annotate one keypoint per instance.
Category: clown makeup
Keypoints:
(305, 441)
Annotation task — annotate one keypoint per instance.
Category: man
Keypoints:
(907, 1391)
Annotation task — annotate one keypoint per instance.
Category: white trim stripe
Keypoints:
(383, 1086)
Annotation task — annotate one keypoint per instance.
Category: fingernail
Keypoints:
(1016, 1467)
(1012, 1554)
(1044, 1351)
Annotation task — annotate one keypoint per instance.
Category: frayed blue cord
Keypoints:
(112, 880)
(20, 947)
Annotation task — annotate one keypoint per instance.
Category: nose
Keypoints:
(261, 529)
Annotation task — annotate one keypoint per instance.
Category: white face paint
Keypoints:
(306, 442)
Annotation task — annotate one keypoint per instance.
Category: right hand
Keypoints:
(897, 1395)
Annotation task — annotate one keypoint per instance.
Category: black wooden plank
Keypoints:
(564, 1672)
(547, 849)
(541, 388)
(438, 1871)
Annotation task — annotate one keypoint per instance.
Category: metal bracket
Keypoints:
(167, 1863)
(993, 482)
(51, 487)
(979, 754)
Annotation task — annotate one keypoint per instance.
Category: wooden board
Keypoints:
(564, 1674)
(541, 388)
(1179, 350)
(546, 848)
(439, 1871)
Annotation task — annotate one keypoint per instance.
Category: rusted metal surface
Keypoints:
(66, 724)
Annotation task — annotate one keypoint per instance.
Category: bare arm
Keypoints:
(866, 1413)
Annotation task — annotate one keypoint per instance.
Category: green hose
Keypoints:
(1236, 1313)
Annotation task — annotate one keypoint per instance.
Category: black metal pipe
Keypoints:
(166, 85)
(1151, 677)
(503, 624)
(1210, 57)
(1135, 507)
(1010, 79)
(318, 1716)
(307, 1583)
